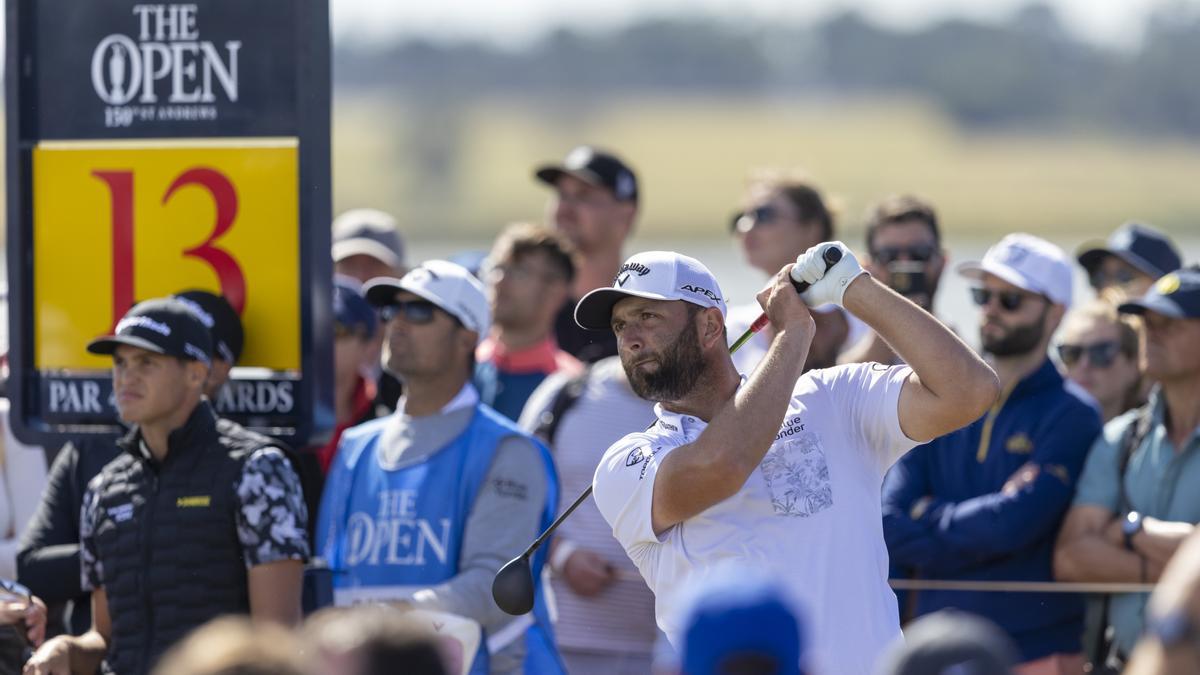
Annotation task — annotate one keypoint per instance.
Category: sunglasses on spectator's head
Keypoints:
(413, 311)
(887, 255)
(1010, 301)
(1100, 354)
(744, 221)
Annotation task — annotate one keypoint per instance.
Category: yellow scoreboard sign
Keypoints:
(119, 221)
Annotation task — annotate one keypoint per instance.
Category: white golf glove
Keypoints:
(826, 286)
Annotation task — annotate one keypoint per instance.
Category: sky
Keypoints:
(516, 22)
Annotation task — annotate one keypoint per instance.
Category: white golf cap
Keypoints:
(1028, 262)
(445, 284)
(657, 275)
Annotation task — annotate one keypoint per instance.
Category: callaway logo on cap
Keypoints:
(657, 275)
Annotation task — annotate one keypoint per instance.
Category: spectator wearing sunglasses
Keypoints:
(985, 502)
(528, 276)
(783, 217)
(421, 508)
(1131, 260)
(594, 204)
(1137, 500)
(1098, 349)
(904, 251)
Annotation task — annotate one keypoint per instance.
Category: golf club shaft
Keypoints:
(832, 255)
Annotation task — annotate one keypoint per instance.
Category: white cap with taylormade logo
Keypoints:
(657, 275)
(1027, 262)
(445, 284)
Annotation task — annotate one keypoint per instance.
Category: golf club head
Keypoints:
(512, 589)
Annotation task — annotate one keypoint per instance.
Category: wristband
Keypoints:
(562, 551)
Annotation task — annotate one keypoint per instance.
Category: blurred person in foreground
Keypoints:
(528, 276)
(1099, 349)
(22, 624)
(236, 646)
(781, 470)
(1170, 644)
(48, 561)
(605, 621)
(904, 252)
(950, 642)
(372, 640)
(783, 217)
(594, 204)
(985, 501)
(421, 508)
(367, 244)
(1136, 501)
(738, 621)
(197, 517)
(1130, 261)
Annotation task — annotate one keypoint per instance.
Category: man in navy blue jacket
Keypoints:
(986, 501)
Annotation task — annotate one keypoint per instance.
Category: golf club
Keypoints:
(513, 587)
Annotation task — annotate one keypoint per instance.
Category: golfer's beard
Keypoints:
(1017, 341)
(679, 368)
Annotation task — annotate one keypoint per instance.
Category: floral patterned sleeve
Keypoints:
(90, 571)
(272, 519)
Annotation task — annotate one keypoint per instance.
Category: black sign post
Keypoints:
(154, 148)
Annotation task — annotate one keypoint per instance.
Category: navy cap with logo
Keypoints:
(1144, 247)
(222, 320)
(162, 325)
(1176, 295)
(595, 167)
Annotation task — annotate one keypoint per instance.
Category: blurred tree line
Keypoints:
(1026, 72)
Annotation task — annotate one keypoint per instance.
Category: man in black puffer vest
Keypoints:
(197, 517)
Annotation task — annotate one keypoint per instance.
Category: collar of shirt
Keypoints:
(688, 427)
(467, 397)
(540, 358)
(1158, 418)
(1044, 377)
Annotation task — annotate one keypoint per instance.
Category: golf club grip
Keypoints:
(557, 521)
(831, 256)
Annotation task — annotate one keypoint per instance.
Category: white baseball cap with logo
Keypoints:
(657, 275)
(448, 285)
(1027, 262)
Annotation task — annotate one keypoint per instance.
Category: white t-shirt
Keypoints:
(809, 516)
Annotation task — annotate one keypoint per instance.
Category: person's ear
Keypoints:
(711, 327)
(197, 374)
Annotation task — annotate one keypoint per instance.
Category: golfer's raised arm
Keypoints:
(950, 386)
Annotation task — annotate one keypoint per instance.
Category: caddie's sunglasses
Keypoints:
(887, 255)
(414, 311)
(1010, 301)
(1099, 354)
(744, 221)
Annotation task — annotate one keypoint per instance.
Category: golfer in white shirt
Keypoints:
(777, 470)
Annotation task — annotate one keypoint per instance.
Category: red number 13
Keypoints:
(224, 196)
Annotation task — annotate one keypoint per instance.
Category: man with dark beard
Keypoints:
(780, 470)
(985, 502)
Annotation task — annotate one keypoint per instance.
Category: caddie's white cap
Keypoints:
(657, 275)
(445, 284)
(1028, 262)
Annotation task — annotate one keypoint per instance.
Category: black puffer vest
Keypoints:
(166, 537)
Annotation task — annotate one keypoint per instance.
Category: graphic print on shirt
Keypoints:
(797, 475)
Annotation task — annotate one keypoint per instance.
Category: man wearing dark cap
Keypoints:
(49, 557)
(595, 203)
(1136, 501)
(367, 244)
(196, 518)
(1132, 259)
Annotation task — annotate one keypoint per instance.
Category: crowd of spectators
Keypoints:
(471, 408)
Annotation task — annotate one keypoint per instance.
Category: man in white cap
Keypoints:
(984, 502)
(422, 507)
(778, 470)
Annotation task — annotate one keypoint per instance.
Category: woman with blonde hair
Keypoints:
(1099, 350)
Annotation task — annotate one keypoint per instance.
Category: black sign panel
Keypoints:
(136, 70)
